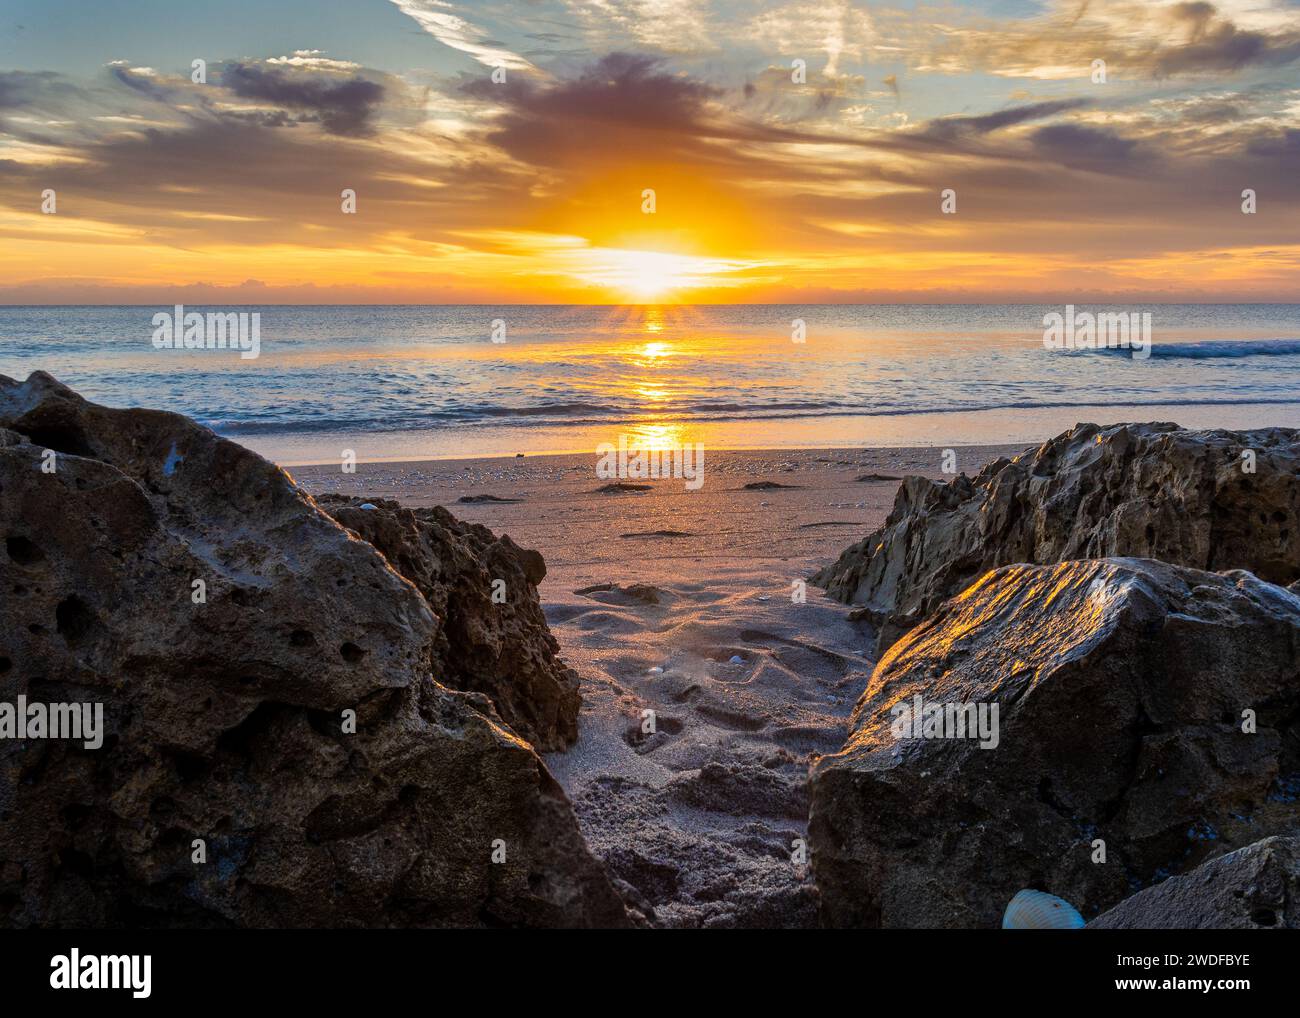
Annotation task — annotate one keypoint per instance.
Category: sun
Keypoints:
(649, 277)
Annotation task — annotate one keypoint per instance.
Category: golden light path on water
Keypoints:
(573, 378)
(655, 357)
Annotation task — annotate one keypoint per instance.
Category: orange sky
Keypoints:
(766, 188)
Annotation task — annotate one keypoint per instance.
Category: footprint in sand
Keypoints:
(806, 739)
(841, 664)
(607, 623)
(641, 593)
(617, 486)
(666, 728)
(725, 717)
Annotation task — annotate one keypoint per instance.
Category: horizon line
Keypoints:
(654, 304)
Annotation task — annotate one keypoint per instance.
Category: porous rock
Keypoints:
(1211, 500)
(224, 705)
(1146, 710)
(500, 648)
(1253, 888)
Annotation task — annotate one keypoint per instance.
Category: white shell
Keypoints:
(1037, 910)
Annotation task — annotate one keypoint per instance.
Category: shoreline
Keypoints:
(839, 433)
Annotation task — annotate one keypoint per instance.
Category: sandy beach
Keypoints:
(680, 602)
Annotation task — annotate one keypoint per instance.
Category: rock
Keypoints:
(1253, 888)
(504, 650)
(224, 718)
(1144, 490)
(1121, 687)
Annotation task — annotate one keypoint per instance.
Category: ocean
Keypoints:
(410, 382)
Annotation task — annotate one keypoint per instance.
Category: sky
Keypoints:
(609, 151)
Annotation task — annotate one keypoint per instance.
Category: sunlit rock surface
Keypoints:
(1207, 499)
(1123, 686)
(501, 649)
(225, 718)
(1253, 888)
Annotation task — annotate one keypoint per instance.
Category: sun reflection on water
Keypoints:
(656, 436)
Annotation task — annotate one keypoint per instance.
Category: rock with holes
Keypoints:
(230, 629)
(1148, 717)
(1253, 888)
(1206, 499)
(493, 638)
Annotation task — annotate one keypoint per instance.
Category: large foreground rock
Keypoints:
(1143, 490)
(1253, 888)
(224, 719)
(503, 649)
(1121, 686)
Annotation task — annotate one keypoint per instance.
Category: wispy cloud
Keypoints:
(439, 19)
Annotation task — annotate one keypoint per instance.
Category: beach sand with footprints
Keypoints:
(684, 603)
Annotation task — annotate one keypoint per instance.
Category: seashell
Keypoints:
(1037, 910)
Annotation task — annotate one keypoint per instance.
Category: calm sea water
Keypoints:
(399, 382)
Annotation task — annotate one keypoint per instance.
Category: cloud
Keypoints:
(1138, 40)
(1083, 147)
(19, 89)
(343, 107)
(624, 89)
(312, 58)
(948, 128)
(1285, 145)
(1221, 45)
(141, 79)
(436, 18)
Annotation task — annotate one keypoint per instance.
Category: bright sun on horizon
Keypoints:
(649, 276)
(646, 275)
